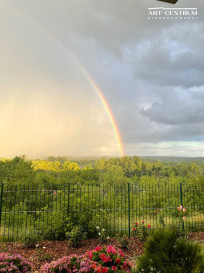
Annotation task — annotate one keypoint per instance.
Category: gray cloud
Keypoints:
(150, 72)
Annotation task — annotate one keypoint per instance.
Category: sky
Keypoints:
(97, 78)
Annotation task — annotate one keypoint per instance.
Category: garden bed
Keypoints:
(51, 250)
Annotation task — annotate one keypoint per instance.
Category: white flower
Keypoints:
(99, 234)
(97, 227)
(103, 229)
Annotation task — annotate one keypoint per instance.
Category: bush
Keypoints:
(86, 220)
(109, 259)
(76, 236)
(166, 252)
(123, 241)
(58, 229)
(102, 235)
(14, 263)
(71, 263)
(141, 231)
(30, 239)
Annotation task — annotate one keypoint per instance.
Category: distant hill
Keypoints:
(174, 159)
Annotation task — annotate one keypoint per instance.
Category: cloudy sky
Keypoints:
(150, 73)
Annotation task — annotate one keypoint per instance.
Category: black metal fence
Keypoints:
(115, 208)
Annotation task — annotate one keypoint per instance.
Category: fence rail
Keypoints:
(49, 210)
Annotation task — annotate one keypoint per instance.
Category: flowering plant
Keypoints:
(99, 260)
(70, 264)
(141, 231)
(102, 235)
(181, 215)
(14, 263)
(109, 260)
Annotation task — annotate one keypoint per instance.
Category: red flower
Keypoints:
(98, 248)
(133, 229)
(104, 269)
(136, 224)
(118, 260)
(149, 226)
(114, 268)
(142, 222)
(103, 256)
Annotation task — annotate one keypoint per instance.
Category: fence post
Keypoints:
(1, 200)
(68, 199)
(129, 209)
(181, 200)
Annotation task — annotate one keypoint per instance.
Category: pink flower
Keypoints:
(114, 268)
(121, 253)
(111, 249)
(184, 210)
(90, 254)
(178, 208)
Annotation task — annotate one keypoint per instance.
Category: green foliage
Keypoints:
(141, 231)
(57, 229)
(30, 239)
(42, 256)
(16, 171)
(60, 193)
(102, 235)
(167, 252)
(123, 241)
(76, 236)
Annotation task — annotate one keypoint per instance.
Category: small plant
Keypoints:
(166, 252)
(71, 263)
(14, 263)
(141, 231)
(161, 217)
(123, 241)
(42, 256)
(76, 236)
(3, 247)
(30, 239)
(102, 235)
(109, 260)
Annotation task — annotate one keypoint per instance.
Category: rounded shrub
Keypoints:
(76, 236)
(167, 252)
(14, 263)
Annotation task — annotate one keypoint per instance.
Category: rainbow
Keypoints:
(83, 71)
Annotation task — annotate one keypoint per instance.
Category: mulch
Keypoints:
(48, 251)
